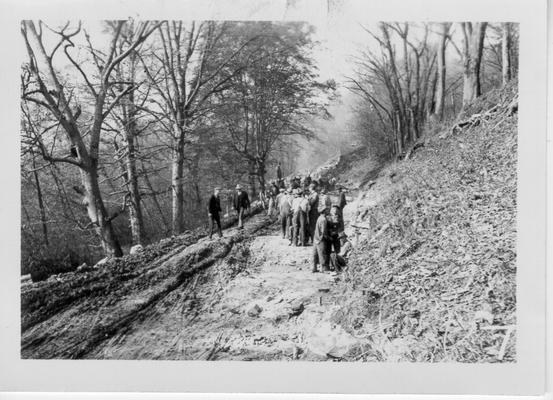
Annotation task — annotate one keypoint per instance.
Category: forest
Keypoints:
(126, 126)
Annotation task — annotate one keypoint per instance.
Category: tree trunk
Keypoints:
(97, 212)
(177, 184)
(155, 199)
(440, 83)
(474, 34)
(505, 52)
(41, 205)
(261, 175)
(251, 178)
(135, 209)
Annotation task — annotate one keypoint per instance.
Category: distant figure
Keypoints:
(295, 182)
(335, 227)
(308, 181)
(298, 220)
(241, 203)
(313, 210)
(284, 209)
(279, 172)
(320, 239)
(325, 199)
(213, 211)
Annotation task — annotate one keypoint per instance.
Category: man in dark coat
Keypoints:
(279, 172)
(313, 210)
(241, 202)
(213, 211)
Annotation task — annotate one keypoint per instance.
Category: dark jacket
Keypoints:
(241, 200)
(214, 205)
(279, 172)
(343, 200)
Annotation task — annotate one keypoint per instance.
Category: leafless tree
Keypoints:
(48, 90)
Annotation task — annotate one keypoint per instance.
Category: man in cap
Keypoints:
(320, 240)
(284, 210)
(241, 203)
(335, 226)
(296, 218)
(213, 212)
(313, 209)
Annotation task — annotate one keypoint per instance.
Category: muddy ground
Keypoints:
(261, 302)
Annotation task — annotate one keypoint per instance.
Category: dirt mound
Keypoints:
(433, 274)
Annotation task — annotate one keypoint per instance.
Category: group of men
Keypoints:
(241, 203)
(306, 214)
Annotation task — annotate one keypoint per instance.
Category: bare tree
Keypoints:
(473, 44)
(400, 99)
(187, 68)
(506, 52)
(49, 91)
(441, 71)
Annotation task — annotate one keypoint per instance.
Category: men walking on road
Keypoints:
(320, 240)
(241, 203)
(213, 211)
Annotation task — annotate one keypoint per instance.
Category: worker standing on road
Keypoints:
(335, 226)
(313, 210)
(296, 218)
(241, 202)
(213, 211)
(284, 209)
(320, 239)
(304, 213)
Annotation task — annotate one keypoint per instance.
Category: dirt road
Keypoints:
(261, 302)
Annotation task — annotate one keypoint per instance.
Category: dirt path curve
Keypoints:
(261, 302)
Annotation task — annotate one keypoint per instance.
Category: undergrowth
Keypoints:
(435, 279)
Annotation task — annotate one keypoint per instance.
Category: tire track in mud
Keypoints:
(78, 330)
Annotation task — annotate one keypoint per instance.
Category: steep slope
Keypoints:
(433, 275)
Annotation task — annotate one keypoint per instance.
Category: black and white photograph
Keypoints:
(337, 190)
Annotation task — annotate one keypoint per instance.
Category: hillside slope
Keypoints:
(433, 275)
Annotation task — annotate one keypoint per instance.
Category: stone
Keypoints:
(137, 248)
(254, 311)
(330, 341)
(102, 262)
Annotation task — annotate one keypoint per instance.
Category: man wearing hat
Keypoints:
(320, 241)
(298, 218)
(241, 203)
(313, 209)
(213, 212)
(284, 207)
